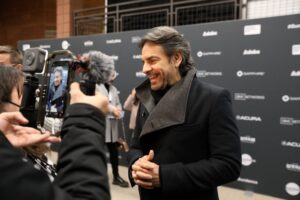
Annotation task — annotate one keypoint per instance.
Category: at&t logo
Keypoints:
(292, 189)
(247, 160)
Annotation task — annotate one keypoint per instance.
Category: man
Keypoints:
(56, 94)
(11, 56)
(81, 164)
(186, 142)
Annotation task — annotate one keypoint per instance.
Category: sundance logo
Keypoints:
(252, 29)
(137, 57)
(248, 139)
(288, 121)
(251, 52)
(244, 97)
(209, 33)
(246, 180)
(247, 160)
(25, 46)
(248, 118)
(203, 73)
(88, 43)
(113, 41)
(293, 26)
(286, 98)
(241, 73)
(296, 49)
(135, 39)
(293, 167)
(65, 44)
(295, 73)
(292, 189)
(290, 144)
(140, 74)
(215, 53)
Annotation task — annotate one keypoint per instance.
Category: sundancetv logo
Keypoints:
(295, 73)
(251, 52)
(137, 57)
(201, 54)
(88, 43)
(115, 57)
(140, 74)
(293, 26)
(240, 73)
(292, 189)
(113, 41)
(135, 39)
(286, 98)
(248, 118)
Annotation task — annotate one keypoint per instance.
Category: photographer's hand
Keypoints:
(99, 100)
(20, 136)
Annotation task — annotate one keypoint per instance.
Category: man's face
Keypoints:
(5, 58)
(57, 78)
(160, 69)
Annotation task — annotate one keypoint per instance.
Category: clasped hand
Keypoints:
(145, 172)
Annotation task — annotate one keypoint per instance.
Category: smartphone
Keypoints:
(57, 95)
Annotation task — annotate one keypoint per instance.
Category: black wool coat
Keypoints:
(195, 139)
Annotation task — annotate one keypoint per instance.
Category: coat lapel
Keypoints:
(171, 109)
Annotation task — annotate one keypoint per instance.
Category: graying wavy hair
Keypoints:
(100, 66)
(172, 42)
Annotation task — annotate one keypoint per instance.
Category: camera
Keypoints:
(47, 83)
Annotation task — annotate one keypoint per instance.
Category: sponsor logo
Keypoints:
(295, 73)
(247, 160)
(202, 73)
(290, 144)
(252, 29)
(296, 49)
(140, 74)
(295, 167)
(137, 57)
(286, 98)
(241, 73)
(135, 39)
(215, 53)
(288, 121)
(246, 180)
(25, 46)
(113, 41)
(115, 57)
(292, 189)
(209, 33)
(65, 45)
(293, 26)
(248, 118)
(248, 139)
(45, 46)
(88, 43)
(251, 52)
(244, 97)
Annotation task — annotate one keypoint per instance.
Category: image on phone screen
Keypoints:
(56, 96)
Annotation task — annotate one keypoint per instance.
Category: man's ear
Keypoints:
(19, 66)
(177, 59)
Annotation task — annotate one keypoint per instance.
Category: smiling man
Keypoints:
(186, 141)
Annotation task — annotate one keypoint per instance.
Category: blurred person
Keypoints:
(11, 56)
(131, 104)
(82, 172)
(105, 64)
(186, 141)
(11, 86)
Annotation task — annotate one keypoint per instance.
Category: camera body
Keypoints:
(46, 88)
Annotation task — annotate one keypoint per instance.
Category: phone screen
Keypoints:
(56, 96)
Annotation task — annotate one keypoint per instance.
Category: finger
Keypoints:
(143, 176)
(144, 184)
(15, 117)
(52, 139)
(150, 155)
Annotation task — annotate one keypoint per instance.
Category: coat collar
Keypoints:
(171, 109)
